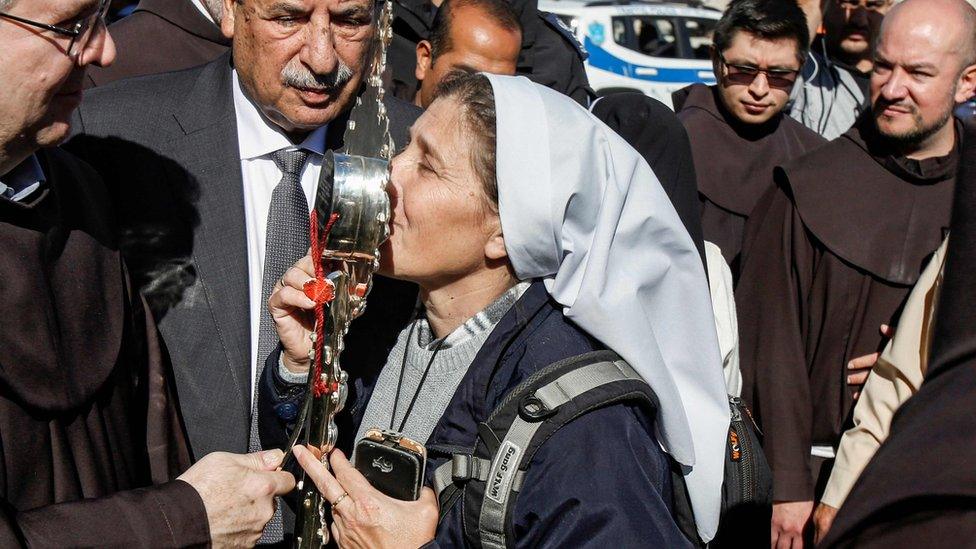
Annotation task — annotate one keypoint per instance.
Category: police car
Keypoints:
(654, 48)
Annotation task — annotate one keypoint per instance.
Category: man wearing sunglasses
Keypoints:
(88, 418)
(737, 127)
(835, 249)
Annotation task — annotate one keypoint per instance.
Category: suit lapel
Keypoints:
(209, 153)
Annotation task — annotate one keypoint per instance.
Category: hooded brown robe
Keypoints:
(920, 489)
(734, 162)
(88, 420)
(831, 253)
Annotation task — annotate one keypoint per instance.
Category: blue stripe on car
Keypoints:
(604, 60)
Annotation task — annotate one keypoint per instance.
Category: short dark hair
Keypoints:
(477, 99)
(767, 19)
(499, 12)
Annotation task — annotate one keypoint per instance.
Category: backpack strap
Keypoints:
(544, 402)
(490, 479)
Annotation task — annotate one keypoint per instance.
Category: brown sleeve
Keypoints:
(777, 272)
(166, 442)
(169, 515)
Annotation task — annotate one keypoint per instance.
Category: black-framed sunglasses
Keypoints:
(745, 74)
(80, 32)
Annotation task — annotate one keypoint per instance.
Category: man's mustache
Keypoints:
(298, 76)
(861, 25)
(882, 104)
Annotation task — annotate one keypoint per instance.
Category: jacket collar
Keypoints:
(478, 389)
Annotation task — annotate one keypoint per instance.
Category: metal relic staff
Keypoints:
(350, 222)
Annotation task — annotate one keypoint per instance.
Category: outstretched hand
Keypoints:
(364, 516)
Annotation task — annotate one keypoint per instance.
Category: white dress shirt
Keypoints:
(23, 180)
(257, 138)
(198, 4)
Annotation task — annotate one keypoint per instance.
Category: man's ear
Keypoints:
(716, 64)
(227, 23)
(423, 60)
(495, 247)
(966, 86)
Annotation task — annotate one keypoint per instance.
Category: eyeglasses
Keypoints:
(746, 74)
(870, 5)
(80, 32)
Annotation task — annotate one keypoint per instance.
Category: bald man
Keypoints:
(467, 35)
(920, 490)
(832, 252)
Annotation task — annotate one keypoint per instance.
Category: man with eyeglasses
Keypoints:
(851, 27)
(837, 246)
(737, 127)
(88, 418)
(215, 170)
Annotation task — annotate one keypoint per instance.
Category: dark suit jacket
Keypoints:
(167, 147)
(160, 36)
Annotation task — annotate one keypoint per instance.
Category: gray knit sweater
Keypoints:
(451, 362)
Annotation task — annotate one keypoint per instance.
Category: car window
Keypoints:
(646, 34)
(699, 33)
(665, 36)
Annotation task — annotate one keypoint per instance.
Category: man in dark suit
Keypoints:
(163, 36)
(214, 170)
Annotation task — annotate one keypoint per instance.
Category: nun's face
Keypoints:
(443, 228)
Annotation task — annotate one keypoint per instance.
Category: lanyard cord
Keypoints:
(420, 384)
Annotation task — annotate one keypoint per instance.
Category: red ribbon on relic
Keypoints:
(321, 291)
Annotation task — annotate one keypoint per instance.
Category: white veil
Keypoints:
(582, 209)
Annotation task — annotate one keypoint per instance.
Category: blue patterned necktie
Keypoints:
(286, 242)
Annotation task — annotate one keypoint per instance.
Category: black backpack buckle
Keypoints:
(534, 410)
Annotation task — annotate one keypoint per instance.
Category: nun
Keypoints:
(535, 234)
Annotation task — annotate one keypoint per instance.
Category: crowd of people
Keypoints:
(587, 309)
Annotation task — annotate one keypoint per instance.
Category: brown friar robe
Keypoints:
(160, 36)
(734, 162)
(831, 253)
(920, 488)
(88, 420)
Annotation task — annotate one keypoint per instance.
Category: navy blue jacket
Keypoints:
(601, 481)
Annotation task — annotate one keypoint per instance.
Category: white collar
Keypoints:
(24, 179)
(257, 136)
(198, 4)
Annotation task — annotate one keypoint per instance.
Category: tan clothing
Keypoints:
(897, 376)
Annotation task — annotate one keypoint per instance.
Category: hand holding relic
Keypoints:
(238, 492)
(364, 516)
(291, 311)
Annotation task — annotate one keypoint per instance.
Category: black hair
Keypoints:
(767, 19)
(499, 12)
